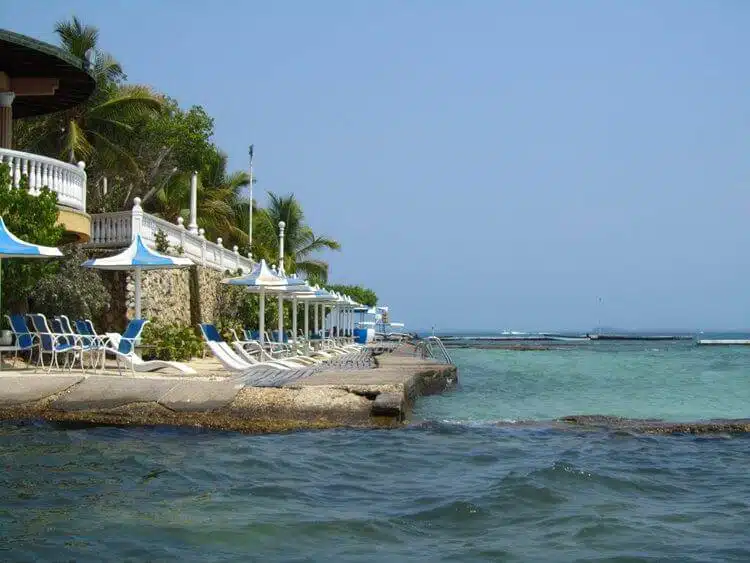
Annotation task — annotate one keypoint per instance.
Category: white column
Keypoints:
(6, 119)
(281, 318)
(193, 223)
(281, 245)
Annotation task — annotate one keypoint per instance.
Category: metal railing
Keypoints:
(432, 347)
(68, 181)
(115, 230)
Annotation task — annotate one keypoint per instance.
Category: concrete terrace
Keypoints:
(362, 394)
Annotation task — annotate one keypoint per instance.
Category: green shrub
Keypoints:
(171, 342)
(162, 242)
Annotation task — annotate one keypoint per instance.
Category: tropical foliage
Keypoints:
(77, 292)
(300, 242)
(170, 342)
(138, 142)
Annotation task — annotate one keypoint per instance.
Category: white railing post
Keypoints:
(82, 168)
(219, 241)
(137, 221)
(181, 227)
(237, 265)
(202, 236)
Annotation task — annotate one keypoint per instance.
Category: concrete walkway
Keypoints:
(290, 399)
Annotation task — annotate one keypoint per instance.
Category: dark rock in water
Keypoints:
(388, 404)
(655, 426)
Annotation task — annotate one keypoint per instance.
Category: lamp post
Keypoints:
(250, 224)
(281, 269)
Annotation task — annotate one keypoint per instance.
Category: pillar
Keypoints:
(193, 224)
(6, 119)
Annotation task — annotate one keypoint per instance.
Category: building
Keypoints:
(38, 79)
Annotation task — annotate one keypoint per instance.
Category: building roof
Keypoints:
(25, 57)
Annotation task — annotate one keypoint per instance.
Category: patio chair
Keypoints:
(85, 329)
(26, 341)
(52, 343)
(122, 347)
(61, 325)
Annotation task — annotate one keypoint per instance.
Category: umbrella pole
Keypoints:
(307, 319)
(294, 318)
(137, 293)
(262, 317)
(281, 319)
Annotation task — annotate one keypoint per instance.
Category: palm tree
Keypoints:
(300, 242)
(219, 200)
(98, 130)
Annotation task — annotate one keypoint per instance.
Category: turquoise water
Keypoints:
(670, 380)
(454, 486)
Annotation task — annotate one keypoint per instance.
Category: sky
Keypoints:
(487, 164)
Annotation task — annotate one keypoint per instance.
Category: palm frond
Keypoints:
(76, 37)
(75, 144)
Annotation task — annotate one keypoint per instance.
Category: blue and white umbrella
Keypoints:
(13, 247)
(262, 280)
(138, 257)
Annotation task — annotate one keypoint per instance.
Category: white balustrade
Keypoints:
(68, 181)
(115, 230)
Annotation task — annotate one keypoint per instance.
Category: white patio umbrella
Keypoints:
(296, 292)
(13, 247)
(319, 296)
(138, 257)
(262, 280)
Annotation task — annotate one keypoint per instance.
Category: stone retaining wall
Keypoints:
(165, 296)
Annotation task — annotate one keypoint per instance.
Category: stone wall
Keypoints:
(165, 296)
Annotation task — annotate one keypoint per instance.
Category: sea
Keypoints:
(480, 474)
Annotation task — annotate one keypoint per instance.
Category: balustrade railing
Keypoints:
(111, 230)
(68, 181)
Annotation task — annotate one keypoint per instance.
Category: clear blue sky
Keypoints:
(485, 164)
